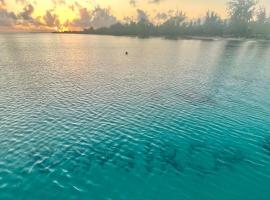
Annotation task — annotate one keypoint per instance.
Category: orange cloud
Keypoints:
(51, 15)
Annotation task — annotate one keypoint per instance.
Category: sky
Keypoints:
(63, 15)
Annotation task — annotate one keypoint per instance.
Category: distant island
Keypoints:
(245, 21)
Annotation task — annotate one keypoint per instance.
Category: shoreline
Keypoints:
(202, 38)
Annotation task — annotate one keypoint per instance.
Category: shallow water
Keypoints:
(173, 120)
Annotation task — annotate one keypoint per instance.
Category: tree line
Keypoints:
(245, 20)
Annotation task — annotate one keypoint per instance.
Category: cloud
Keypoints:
(161, 16)
(97, 18)
(133, 3)
(142, 15)
(21, 1)
(83, 20)
(72, 7)
(59, 2)
(51, 19)
(23, 19)
(102, 17)
(2, 3)
(7, 18)
(27, 12)
(154, 1)
(26, 21)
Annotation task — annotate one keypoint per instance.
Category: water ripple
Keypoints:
(95, 124)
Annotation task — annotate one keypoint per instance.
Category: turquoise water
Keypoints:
(173, 120)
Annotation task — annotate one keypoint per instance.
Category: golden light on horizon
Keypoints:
(69, 14)
(65, 14)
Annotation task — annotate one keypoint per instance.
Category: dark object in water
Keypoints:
(149, 157)
(169, 156)
(126, 53)
(196, 98)
(266, 145)
(227, 157)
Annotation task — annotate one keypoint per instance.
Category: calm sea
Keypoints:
(172, 120)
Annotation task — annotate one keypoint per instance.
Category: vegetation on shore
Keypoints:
(245, 20)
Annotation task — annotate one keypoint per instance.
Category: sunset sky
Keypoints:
(48, 15)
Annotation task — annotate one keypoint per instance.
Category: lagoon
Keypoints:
(173, 119)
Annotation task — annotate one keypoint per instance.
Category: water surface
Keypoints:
(184, 119)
